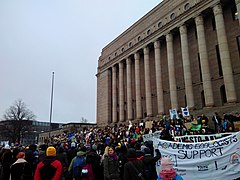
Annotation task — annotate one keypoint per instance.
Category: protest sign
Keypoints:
(185, 112)
(215, 159)
(200, 138)
(173, 113)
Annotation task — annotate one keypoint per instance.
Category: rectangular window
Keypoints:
(213, 24)
(195, 32)
(238, 43)
(219, 61)
(234, 13)
(200, 69)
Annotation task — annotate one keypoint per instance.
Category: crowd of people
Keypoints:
(110, 153)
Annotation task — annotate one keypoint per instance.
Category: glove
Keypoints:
(157, 152)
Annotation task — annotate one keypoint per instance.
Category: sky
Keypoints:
(38, 37)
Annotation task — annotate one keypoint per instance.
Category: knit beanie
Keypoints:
(81, 153)
(167, 172)
(51, 151)
(20, 155)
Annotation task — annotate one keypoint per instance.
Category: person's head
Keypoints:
(131, 153)
(106, 150)
(20, 155)
(51, 151)
(43, 147)
(167, 172)
(111, 150)
(81, 153)
(147, 150)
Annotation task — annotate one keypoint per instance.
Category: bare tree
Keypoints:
(83, 120)
(18, 118)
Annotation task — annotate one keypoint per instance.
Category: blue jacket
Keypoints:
(177, 177)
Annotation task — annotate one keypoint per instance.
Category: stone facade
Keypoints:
(181, 53)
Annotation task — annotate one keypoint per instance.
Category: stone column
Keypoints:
(202, 48)
(238, 9)
(186, 67)
(138, 86)
(121, 93)
(158, 69)
(114, 95)
(225, 55)
(147, 82)
(171, 72)
(129, 90)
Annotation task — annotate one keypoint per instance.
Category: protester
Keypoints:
(62, 157)
(76, 166)
(217, 122)
(167, 172)
(111, 165)
(21, 169)
(31, 156)
(42, 152)
(7, 161)
(50, 168)
(72, 152)
(150, 163)
(121, 151)
(134, 168)
(94, 160)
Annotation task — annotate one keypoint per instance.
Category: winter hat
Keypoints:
(51, 151)
(81, 153)
(131, 153)
(167, 172)
(20, 155)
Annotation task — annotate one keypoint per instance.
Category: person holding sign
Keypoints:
(217, 122)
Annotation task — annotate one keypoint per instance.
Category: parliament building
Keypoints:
(183, 53)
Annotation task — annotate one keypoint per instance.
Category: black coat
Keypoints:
(21, 168)
(94, 159)
(130, 173)
(150, 165)
(111, 169)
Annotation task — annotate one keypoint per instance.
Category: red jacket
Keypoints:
(49, 169)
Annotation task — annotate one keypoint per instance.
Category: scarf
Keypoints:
(113, 156)
(168, 174)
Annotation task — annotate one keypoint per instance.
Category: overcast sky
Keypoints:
(38, 37)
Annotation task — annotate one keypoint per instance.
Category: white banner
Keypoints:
(211, 160)
(200, 138)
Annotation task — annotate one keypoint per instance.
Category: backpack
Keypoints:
(78, 166)
(47, 171)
